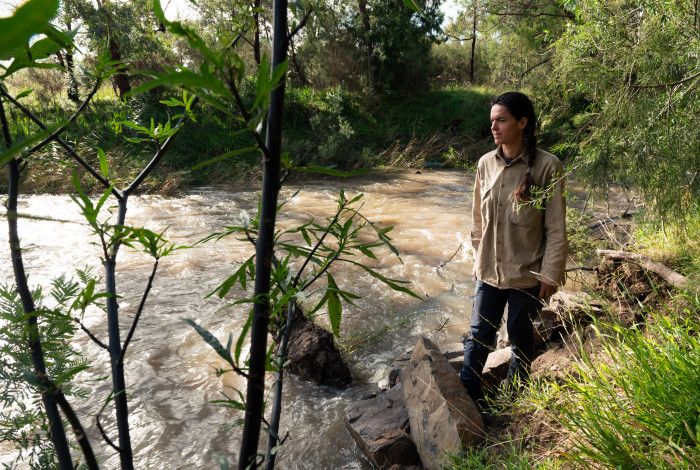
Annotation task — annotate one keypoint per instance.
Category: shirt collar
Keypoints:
(523, 155)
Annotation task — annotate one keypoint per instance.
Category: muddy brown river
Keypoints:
(170, 371)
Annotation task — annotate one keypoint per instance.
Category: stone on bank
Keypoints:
(442, 416)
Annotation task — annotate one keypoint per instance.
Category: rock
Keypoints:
(443, 417)
(454, 353)
(313, 355)
(398, 364)
(380, 426)
(496, 367)
(574, 309)
(554, 363)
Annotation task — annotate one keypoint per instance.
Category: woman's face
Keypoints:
(505, 128)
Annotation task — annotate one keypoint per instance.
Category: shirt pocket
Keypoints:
(486, 201)
(526, 216)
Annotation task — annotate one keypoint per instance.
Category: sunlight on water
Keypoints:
(171, 372)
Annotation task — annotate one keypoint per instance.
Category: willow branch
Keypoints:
(94, 338)
(139, 310)
(318, 244)
(154, 161)
(323, 271)
(246, 115)
(67, 147)
(75, 115)
(101, 429)
(77, 427)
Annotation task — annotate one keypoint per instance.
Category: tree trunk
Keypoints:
(297, 68)
(58, 434)
(471, 57)
(256, 37)
(372, 64)
(264, 248)
(120, 79)
(121, 409)
(73, 91)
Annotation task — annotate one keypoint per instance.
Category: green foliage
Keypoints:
(29, 19)
(383, 46)
(22, 418)
(507, 455)
(635, 72)
(675, 241)
(641, 409)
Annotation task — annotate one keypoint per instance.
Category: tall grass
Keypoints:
(676, 241)
(500, 456)
(634, 402)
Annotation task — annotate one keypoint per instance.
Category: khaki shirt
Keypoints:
(519, 244)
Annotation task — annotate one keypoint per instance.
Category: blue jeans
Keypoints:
(489, 304)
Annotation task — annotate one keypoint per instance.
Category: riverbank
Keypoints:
(440, 128)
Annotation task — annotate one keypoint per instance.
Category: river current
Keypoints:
(170, 371)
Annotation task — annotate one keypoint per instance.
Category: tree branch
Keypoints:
(669, 275)
(318, 244)
(154, 161)
(90, 334)
(457, 38)
(666, 85)
(103, 181)
(139, 310)
(75, 115)
(101, 429)
(301, 24)
(569, 16)
(530, 69)
(77, 427)
(246, 115)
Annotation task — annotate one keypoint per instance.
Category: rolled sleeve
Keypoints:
(477, 226)
(556, 244)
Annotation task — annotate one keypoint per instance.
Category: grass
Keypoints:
(632, 403)
(503, 456)
(676, 242)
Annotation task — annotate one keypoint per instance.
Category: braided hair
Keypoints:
(520, 106)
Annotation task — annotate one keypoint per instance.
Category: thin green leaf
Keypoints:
(104, 165)
(242, 337)
(412, 5)
(24, 93)
(335, 307)
(393, 283)
(211, 340)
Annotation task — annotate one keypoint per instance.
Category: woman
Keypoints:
(519, 234)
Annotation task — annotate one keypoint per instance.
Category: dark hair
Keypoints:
(520, 106)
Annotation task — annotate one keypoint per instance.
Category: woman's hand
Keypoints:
(546, 291)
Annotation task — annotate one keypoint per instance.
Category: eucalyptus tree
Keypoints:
(131, 34)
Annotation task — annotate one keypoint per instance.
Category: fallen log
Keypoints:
(675, 279)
